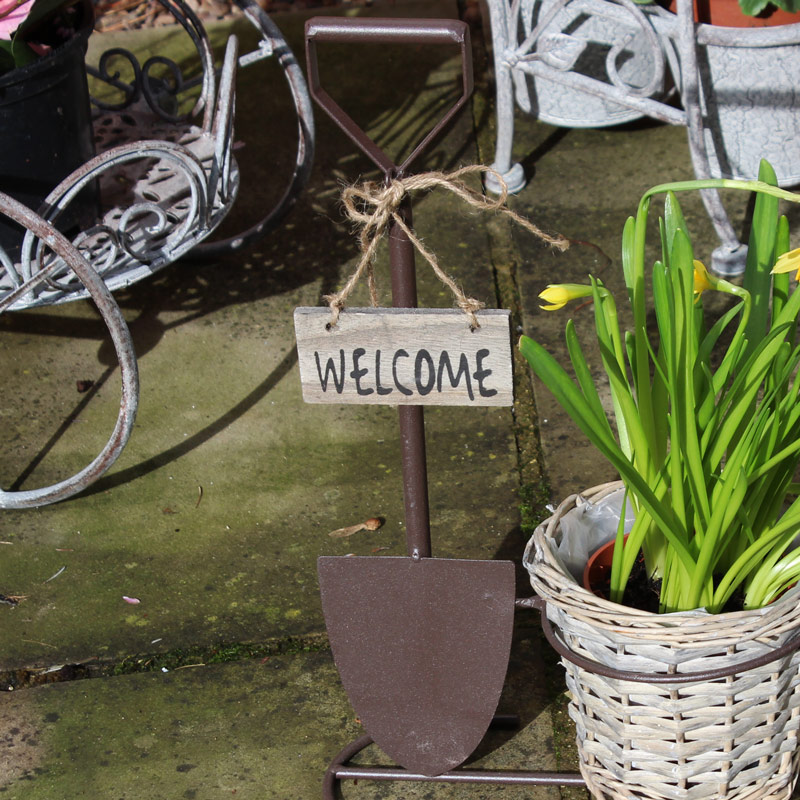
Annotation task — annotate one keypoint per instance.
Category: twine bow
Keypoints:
(374, 206)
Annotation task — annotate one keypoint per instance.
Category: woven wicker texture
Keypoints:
(728, 739)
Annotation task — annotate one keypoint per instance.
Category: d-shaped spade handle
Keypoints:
(401, 252)
(385, 31)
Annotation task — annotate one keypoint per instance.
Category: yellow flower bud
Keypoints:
(787, 262)
(558, 295)
(702, 280)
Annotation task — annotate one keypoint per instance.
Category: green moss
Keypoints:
(179, 658)
(217, 654)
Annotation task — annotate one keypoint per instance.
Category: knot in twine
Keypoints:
(374, 206)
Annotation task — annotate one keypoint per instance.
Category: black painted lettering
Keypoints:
(330, 372)
(463, 371)
(358, 373)
(402, 389)
(480, 374)
(382, 390)
(423, 356)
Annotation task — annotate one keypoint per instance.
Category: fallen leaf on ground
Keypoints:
(372, 524)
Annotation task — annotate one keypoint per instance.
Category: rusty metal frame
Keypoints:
(555, 641)
(385, 31)
(401, 250)
(404, 295)
(412, 423)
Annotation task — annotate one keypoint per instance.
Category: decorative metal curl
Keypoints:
(155, 90)
(149, 238)
(560, 51)
(103, 73)
(112, 316)
(163, 95)
(100, 263)
(134, 245)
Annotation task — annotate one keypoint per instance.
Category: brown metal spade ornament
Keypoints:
(422, 649)
(421, 644)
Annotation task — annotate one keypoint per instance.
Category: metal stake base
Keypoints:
(339, 771)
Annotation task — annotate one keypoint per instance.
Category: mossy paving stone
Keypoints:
(215, 513)
(250, 730)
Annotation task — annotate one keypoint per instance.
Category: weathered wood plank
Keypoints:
(404, 356)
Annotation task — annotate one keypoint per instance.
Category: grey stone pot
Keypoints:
(750, 99)
(739, 87)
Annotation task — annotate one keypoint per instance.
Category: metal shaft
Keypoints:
(412, 420)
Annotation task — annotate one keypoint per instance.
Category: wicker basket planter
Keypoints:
(724, 738)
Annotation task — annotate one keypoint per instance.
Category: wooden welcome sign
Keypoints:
(404, 356)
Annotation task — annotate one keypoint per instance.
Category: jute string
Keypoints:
(373, 206)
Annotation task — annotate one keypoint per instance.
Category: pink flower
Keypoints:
(12, 15)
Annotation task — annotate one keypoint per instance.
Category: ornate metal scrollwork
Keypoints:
(166, 181)
(111, 77)
(611, 42)
(171, 209)
(161, 197)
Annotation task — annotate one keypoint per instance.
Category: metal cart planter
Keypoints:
(738, 87)
(166, 178)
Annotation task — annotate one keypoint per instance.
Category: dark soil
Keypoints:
(641, 592)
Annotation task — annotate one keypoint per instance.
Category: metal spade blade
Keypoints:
(422, 649)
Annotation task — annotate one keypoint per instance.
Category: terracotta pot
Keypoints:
(597, 571)
(728, 14)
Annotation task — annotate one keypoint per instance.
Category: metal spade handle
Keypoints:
(401, 250)
(386, 31)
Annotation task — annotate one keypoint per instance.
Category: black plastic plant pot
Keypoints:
(46, 133)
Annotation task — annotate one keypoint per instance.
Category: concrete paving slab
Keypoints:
(221, 411)
(585, 184)
(258, 729)
(219, 506)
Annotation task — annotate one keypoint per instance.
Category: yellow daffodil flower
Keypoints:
(787, 262)
(558, 295)
(702, 280)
